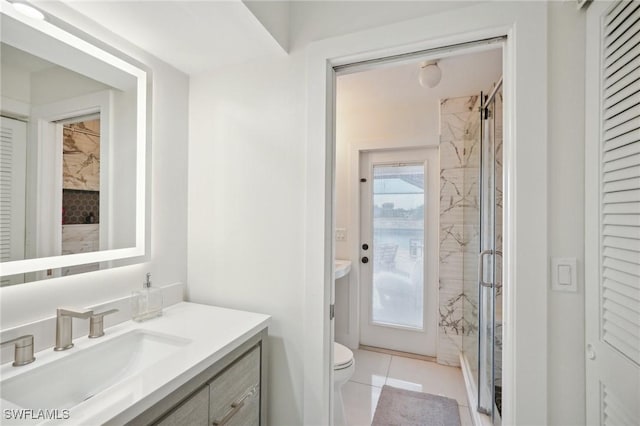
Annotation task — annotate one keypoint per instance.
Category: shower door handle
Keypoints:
(481, 267)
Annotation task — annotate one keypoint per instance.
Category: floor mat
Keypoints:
(400, 407)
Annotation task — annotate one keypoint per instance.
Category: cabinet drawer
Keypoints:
(235, 393)
(193, 412)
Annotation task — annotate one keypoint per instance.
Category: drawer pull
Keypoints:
(235, 407)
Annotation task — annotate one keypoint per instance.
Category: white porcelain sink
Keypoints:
(342, 268)
(68, 381)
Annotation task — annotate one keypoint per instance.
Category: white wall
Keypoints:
(246, 207)
(246, 203)
(566, 342)
(317, 20)
(168, 185)
(15, 83)
(57, 83)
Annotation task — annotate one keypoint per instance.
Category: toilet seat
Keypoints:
(342, 356)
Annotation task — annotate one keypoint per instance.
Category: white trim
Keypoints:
(46, 40)
(592, 202)
(525, 155)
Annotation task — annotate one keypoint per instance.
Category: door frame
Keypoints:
(42, 187)
(431, 229)
(525, 168)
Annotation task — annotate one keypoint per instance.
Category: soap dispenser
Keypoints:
(146, 303)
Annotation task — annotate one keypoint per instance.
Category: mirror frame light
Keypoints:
(98, 55)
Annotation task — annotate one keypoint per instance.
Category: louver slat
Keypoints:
(623, 163)
(622, 243)
(615, 412)
(616, 16)
(630, 196)
(625, 31)
(620, 130)
(623, 140)
(626, 267)
(631, 113)
(625, 290)
(624, 174)
(623, 78)
(619, 58)
(622, 277)
(622, 219)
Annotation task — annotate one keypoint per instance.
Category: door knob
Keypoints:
(365, 259)
(591, 354)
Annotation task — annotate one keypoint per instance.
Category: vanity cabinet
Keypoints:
(234, 396)
(231, 392)
(194, 411)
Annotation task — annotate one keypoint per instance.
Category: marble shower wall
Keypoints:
(459, 223)
(81, 156)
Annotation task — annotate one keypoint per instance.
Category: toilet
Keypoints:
(343, 368)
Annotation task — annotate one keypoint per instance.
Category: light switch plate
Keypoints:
(564, 274)
(341, 234)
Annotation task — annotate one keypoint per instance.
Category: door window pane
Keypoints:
(398, 242)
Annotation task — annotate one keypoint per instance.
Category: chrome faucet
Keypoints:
(96, 323)
(64, 330)
(23, 354)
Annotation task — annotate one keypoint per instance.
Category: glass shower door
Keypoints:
(490, 259)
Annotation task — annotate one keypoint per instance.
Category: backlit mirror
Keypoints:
(72, 153)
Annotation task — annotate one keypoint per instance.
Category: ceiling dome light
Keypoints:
(430, 74)
(28, 10)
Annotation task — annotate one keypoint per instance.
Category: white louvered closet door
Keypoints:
(13, 142)
(612, 256)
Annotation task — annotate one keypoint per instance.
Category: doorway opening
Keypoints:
(411, 214)
(80, 189)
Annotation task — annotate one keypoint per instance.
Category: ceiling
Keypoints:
(461, 75)
(193, 36)
(199, 36)
(22, 60)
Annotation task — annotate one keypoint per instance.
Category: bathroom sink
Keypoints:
(342, 268)
(78, 376)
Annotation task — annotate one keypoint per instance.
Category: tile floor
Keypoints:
(375, 369)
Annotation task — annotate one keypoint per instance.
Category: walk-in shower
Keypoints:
(482, 343)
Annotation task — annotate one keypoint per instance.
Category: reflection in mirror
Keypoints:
(71, 153)
(81, 189)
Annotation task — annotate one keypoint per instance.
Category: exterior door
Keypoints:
(399, 249)
(612, 198)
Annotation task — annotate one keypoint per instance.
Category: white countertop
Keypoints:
(212, 332)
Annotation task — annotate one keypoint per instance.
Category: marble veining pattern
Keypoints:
(81, 155)
(80, 239)
(459, 202)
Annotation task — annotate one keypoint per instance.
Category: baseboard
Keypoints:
(398, 353)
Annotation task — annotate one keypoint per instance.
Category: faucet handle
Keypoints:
(96, 323)
(74, 313)
(23, 354)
